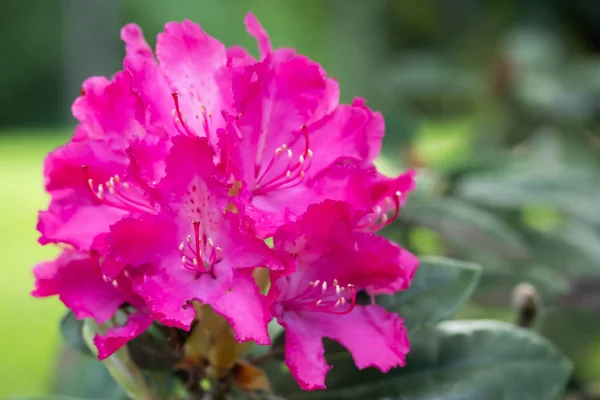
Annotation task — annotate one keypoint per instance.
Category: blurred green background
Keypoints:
(496, 103)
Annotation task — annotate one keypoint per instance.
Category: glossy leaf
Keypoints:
(466, 360)
(439, 289)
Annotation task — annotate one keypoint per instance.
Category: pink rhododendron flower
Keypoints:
(182, 165)
(332, 260)
(78, 281)
(200, 245)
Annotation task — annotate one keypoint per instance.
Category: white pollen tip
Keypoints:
(284, 147)
(398, 193)
(335, 282)
(288, 174)
(126, 273)
(195, 261)
(378, 209)
(316, 283)
(189, 238)
(115, 283)
(301, 174)
(117, 178)
(318, 302)
(181, 246)
(342, 300)
(183, 259)
(90, 182)
(290, 155)
(301, 159)
(210, 242)
(219, 249)
(111, 189)
(309, 153)
(125, 185)
(278, 151)
(384, 218)
(338, 290)
(324, 286)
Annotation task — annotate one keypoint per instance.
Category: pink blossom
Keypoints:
(199, 247)
(79, 283)
(333, 259)
(87, 178)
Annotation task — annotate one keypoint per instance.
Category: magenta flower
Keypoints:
(185, 162)
(333, 259)
(199, 247)
(288, 134)
(78, 281)
(85, 177)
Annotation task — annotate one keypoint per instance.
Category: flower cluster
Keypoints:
(180, 168)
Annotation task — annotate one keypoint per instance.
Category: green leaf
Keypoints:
(120, 365)
(83, 376)
(440, 287)
(70, 328)
(466, 360)
(468, 227)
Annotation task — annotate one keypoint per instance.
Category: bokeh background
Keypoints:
(496, 103)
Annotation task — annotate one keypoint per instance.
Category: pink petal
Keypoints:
(350, 131)
(246, 310)
(110, 109)
(80, 286)
(148, 78)
(140, 240)
(275, 107)
(256, 30)
(118, 336)
(77, 225)
(329, 245)
(194, 65)
(304, 352)
(374, 337)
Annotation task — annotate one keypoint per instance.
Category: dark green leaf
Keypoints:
(70, 328)
(458, 360)
(439, 288)
(83, 376)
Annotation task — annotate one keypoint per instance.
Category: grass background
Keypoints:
(29, 338)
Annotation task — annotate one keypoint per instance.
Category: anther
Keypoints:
(324, 287)
(181, 246)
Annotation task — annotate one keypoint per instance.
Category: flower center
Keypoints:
(118, 194)
(283, 171)
(331, 298)
(198, 252)
(378, 218)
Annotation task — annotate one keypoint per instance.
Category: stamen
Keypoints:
(321, 297)
(180, 118)
(134, 200)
